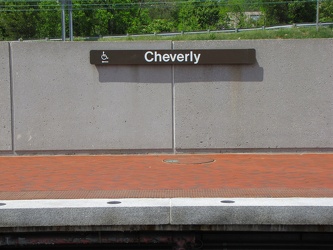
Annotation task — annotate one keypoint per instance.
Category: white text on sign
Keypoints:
(154, 56)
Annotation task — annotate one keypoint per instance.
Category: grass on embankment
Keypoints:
(286, 33)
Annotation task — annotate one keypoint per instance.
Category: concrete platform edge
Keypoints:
(175, 211)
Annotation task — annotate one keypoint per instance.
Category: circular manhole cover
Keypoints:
(188, 160)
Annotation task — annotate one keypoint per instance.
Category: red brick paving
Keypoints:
(144, 176)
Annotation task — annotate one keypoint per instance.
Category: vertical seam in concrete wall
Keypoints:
(173, 108)
(11, 95)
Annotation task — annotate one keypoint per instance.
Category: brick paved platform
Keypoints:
(166, 176)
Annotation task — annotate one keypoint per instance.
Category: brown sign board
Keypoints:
(169, 57)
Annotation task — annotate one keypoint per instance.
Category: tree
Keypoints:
(326, 11)
(49, 20)
(275, 12)
(159, 16)
(236, 9)
(19, 20)
(302, 12)
(288, 11)
(89, 20)
(194, 15)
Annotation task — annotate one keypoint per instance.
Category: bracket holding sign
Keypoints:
(170, 57)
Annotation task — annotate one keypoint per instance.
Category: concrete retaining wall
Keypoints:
(5, 102)
(284, 101)
(62, 103)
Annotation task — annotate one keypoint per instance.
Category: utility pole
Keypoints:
(63, 20)
(70, 13)
(317, 16)
(69, 4)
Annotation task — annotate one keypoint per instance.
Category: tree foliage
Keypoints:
(30, 19)
(49, 21)
(326, 11)
(289, 11)
(16, 24)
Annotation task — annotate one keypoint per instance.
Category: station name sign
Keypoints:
(169, 57)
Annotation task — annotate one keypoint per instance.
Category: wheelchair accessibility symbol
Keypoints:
(104, 58)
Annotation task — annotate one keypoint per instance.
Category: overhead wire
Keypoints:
(53, 5)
